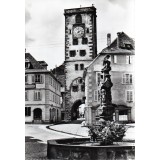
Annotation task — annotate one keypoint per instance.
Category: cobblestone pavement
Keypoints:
(36, 137)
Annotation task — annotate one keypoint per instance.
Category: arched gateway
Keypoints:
(75, 109)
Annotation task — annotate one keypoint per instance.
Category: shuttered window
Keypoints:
(38, 78)
(27, 111)
(37, 96)
(129, 95)
(95, 95)
(127, 79)
(129, 59)
(98, 78)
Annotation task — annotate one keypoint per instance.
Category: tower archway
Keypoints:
(75, 109)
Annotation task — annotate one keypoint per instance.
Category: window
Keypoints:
(76, 67)
(27, 111)
(87, 30)
(129, 59)
(75, 41)
(53, 98)
(37, 96)
(127, 79)
(82, 88)
(38, 78)
(27, 65)
(98, 78)
(82, 53)
(26, 78)
(115, 59)
(129, 96)
(81, 66)
(78, 18)
(70, 31)
(26, 96)
(72, 53)
(84, 40)
(75, 88)
(95, 95)
(80, 80)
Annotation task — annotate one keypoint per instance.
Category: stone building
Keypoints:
(121, 52)
(80, 50)
(42, 93)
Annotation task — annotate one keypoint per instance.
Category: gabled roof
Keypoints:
(122, 43)
(35, 64)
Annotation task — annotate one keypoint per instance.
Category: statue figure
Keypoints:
(106, 90)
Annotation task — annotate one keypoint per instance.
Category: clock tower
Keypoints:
(80, 50)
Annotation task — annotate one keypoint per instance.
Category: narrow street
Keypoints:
(36, 137)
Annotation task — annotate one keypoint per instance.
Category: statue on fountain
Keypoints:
(106, 96)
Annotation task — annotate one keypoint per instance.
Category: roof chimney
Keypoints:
(118, 33)
(108, 39)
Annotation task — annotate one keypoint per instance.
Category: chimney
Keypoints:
(108, 39)
(118, 33)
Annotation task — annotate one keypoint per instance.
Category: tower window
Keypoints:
(82, 53)
(76, 67)
(84, 40)
(87, 30)
(78, 18)
(75, 41)
(72, 53)
(75, 88)
(80, 80)
(82, 66)
(82, 88)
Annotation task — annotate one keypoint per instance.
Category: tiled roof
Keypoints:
(35, 64)
(122, 43)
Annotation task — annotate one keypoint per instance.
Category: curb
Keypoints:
(48, 127)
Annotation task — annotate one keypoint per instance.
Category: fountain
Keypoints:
(91, 148)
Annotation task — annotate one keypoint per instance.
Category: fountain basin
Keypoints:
(83, 149)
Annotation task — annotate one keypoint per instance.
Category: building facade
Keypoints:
(80, 50)
(42, 93)
(122, 55)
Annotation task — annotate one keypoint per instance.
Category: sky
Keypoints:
(44, 25)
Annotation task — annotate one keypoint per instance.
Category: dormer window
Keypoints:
(128, 46)
(27, 64)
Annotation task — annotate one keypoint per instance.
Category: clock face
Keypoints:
(78, 32)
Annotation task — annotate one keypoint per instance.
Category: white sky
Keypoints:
(44, 29)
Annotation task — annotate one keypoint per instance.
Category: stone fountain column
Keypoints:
(106, 97)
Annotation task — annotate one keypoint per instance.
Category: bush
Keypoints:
(107, 133)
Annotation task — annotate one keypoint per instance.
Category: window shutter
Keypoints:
(123, 79)
(127, 95)
(95, 95)
(35, 95)
(131, 59)
(127, 59)
(29, 111)
(41, 78)
(26, 78)
(115, 59)
(130, 78)
(33, 78)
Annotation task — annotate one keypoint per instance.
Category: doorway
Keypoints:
(37, 113)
